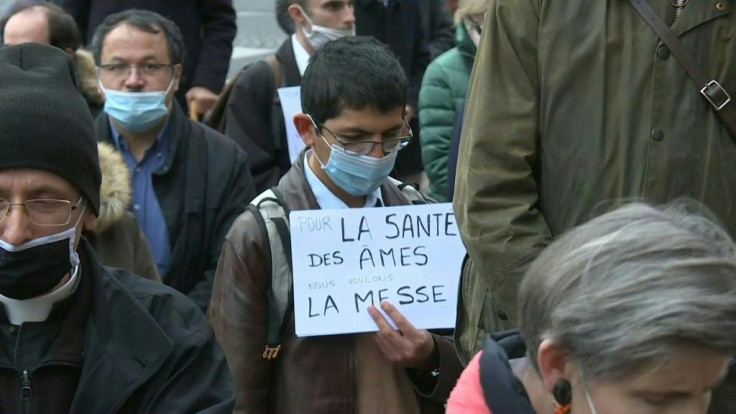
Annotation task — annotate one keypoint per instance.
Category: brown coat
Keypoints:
(310, 375)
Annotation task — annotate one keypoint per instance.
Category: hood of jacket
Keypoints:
(115, 192)
(88, 77)
(503, 391)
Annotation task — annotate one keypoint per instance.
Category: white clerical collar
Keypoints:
(326, 199)
(38, 309)
(300, 54)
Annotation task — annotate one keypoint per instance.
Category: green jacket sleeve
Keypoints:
(496, 198)
(437, 122)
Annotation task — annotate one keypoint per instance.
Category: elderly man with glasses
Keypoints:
(189, 182)
(79, 337)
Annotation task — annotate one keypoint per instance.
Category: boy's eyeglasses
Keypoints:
(389, 145)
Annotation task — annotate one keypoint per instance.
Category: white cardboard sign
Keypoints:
(291, 104)
(346, 260)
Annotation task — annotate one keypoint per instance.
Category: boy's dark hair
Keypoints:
(63, 30)
(352, 72)
(146, 21)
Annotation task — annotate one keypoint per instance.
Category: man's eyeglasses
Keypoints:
(43, 212)
(389, 145)
(123, 70)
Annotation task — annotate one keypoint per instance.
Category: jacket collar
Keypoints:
(465, 43)
(124, 345)
(299, 196)
(289, 69)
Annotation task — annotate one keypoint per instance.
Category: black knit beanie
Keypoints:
(44, 121)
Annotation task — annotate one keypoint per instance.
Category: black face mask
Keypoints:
(36, 267)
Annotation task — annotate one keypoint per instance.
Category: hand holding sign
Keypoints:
(408, 346)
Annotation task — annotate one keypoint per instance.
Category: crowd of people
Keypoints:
(588, 150)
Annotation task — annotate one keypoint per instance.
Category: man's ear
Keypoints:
(305, 128)
(553, 363)
(178, 69)
(296, 13)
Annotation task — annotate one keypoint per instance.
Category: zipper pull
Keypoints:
(26, 394)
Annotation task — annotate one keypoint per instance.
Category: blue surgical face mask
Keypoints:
(137, 112)
(357, 174)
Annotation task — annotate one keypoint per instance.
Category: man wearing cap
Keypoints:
(77, 337)
(189, 181)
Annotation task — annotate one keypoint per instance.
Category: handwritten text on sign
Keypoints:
(346, 260)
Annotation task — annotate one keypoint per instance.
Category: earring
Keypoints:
(562, 392)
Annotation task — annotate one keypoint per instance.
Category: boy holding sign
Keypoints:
(353, 95)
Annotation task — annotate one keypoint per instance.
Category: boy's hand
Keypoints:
(408, 347)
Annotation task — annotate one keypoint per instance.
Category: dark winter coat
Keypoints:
(120, 344)
(437, 26)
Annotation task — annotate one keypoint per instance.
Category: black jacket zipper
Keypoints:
(26, 393)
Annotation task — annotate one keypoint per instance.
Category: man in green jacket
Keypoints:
(574, 105)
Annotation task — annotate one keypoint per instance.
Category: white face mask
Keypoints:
(319, 35)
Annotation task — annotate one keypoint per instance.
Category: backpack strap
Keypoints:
(411, 192)
(215, 119)
(270, 208)
(277, 121)
(276, 69)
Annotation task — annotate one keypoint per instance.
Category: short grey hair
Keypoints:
(630, 287)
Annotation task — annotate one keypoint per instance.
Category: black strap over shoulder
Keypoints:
(709, 87)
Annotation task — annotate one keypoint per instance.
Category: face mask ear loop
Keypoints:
(171, 83)
(321, 164)
(306, 17)
(73, 256)
(587, 394)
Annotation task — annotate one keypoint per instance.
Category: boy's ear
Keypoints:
(305, 128)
